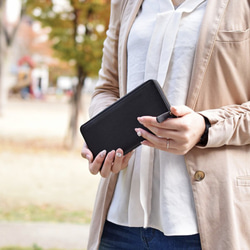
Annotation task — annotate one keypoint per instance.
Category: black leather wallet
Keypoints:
(114, 127)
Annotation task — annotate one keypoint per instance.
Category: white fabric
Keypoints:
(155, 191)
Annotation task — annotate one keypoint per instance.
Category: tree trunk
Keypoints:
(73, 130)
(6, 41)
(2, 5)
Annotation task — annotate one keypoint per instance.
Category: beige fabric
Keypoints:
(177, 2)
(220, 88)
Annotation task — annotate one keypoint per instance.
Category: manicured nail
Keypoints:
(138, 132)
(111, 154)
(103, 153)
(118, 154)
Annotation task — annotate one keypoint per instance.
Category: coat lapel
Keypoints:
(209, 29)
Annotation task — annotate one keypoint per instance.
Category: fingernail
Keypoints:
(111, 154)
(103, 153)
(88, 157)
(118, 154)
(138, 132)
(139, 119)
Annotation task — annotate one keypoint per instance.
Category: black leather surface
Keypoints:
(114, 127)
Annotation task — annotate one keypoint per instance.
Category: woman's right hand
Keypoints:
(106, 162)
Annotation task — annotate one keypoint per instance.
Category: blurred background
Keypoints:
(50, 55)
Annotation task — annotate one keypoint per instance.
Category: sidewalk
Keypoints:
(44, 235)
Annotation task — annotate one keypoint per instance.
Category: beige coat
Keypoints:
(220, 88)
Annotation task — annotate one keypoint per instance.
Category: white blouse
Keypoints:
(155, 191)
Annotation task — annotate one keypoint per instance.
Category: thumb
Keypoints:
(181, 110)
(86, 153)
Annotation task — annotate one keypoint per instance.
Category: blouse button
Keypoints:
(199, 175)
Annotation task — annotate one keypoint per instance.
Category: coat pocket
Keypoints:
(233, 36)
(243, 181)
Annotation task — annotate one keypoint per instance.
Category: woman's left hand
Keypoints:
(174, 135)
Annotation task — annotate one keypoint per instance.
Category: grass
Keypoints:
(34, 247)
(44, 213)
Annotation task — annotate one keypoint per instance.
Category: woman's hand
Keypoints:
(174, 135)
(104, 162)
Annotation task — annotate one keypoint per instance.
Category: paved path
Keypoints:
(45, 235)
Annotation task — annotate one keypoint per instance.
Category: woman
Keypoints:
(189, 184)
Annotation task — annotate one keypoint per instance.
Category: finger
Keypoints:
(162, 130)
(96, 165)
(157, 142)
(172, 128)
(107, 165)
(151, 140)
(151, 122)
(181, 110)
(170, 146)
(118, 161)
(86, 153)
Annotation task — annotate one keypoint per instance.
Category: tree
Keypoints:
(77, 33)
(7, 36)
(1, 57)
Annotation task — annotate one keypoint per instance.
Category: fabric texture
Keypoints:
(125, 238)
(155, 191)
(219, 89)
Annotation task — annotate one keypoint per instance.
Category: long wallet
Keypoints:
(114, 127)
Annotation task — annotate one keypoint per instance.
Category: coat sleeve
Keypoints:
(107, 88)
(230, 125)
